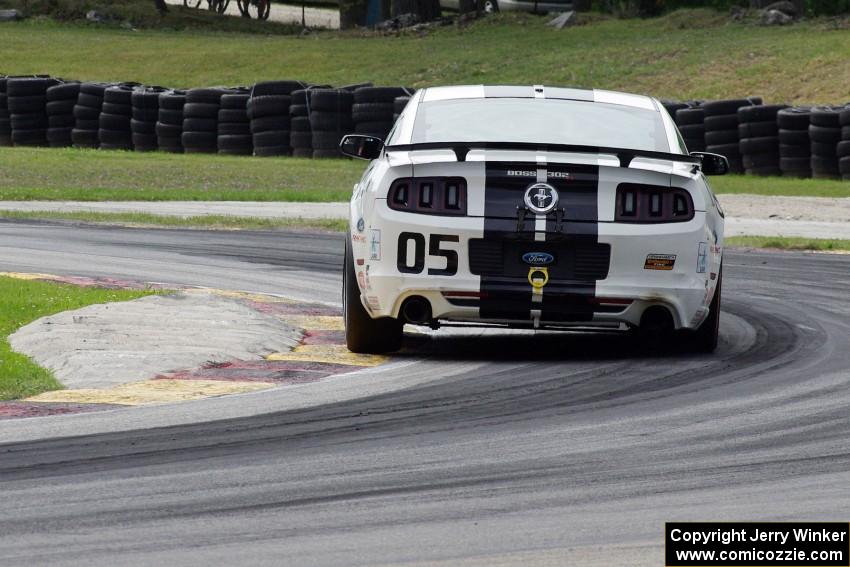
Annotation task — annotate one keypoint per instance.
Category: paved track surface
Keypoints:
(556, 450)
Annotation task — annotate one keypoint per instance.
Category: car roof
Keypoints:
(539, 91)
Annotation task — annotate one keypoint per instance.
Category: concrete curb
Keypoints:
(747, 215)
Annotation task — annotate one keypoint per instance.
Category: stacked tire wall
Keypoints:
(691, 123)
(61, 100)
(843, 149)
(330, 119)
(759, 138)
(234, 128)
(145, 101)
(87, 115)
(169, 124)
(301, 134)
(26, 98)
(373, 111)
(825, 134)
(721, 130)
(5, 123)
(200, 120)
(279, 118)
(116, 115)
(269, 110)
(794, 144)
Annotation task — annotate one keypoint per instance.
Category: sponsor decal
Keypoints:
(533, 173)
(538, 277)
(361, 224)
(659, 262)
(701, 258)
(375, 244)
(358, 238)
(538, 258)
(373, 302)
(361, 280)
(541, 198)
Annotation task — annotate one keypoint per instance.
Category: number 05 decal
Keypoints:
(434, 249)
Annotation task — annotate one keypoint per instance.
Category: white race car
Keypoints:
(532, 207)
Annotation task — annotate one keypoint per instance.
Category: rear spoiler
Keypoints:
(623, 154)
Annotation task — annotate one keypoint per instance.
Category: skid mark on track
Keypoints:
(320, 354)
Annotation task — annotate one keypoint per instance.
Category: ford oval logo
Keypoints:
(538, 258)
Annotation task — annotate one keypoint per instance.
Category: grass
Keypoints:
(686, 54)
(24, 301)
(91, 175)
(785, 186)
(788, 243)
(221, 222)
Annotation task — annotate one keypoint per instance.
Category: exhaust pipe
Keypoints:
(656, 322)
(416, 310)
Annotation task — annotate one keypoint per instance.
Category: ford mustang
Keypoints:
(532, 207)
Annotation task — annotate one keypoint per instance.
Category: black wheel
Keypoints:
(258, 9)
(362, 333)
(705, 338)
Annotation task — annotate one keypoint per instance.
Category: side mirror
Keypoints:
(361, 147)
(713, 164)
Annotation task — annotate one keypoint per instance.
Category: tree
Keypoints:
(425, 10)
(352, 13)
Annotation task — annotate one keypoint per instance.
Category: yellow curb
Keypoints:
(315, 322)
(151, 392)
(258, 297)
(332, 354)
(26, 276)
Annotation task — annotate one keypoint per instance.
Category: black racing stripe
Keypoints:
(573, 239)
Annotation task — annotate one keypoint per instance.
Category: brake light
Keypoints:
(652, 203)
(430, 196)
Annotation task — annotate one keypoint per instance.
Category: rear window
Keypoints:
(542, 121)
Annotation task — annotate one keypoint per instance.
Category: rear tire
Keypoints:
(705, 338)
(362, 333)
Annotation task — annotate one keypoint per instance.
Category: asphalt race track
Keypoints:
(537, 449)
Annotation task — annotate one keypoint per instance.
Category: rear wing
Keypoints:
(623, 154)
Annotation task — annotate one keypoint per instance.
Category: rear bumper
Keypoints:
(622, 296)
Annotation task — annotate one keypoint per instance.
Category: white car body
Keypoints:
(475, 268)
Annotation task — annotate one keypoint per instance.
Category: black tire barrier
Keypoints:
(234, 128)
(5, 121)
(300, 132)
(691, 122)
(200, 119)
(380, 94)
(374, 109)
(330, 119)
(794, 141)
(290, 118)
(26, 104)
(169, 124)
(114, 129)
(145, 114)
(825, 134)
(759, 138)
(87, 114)
(276, 88)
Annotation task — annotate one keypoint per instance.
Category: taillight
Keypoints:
(429, 195)
(652, 203)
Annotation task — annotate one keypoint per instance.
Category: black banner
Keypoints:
(757, 544)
